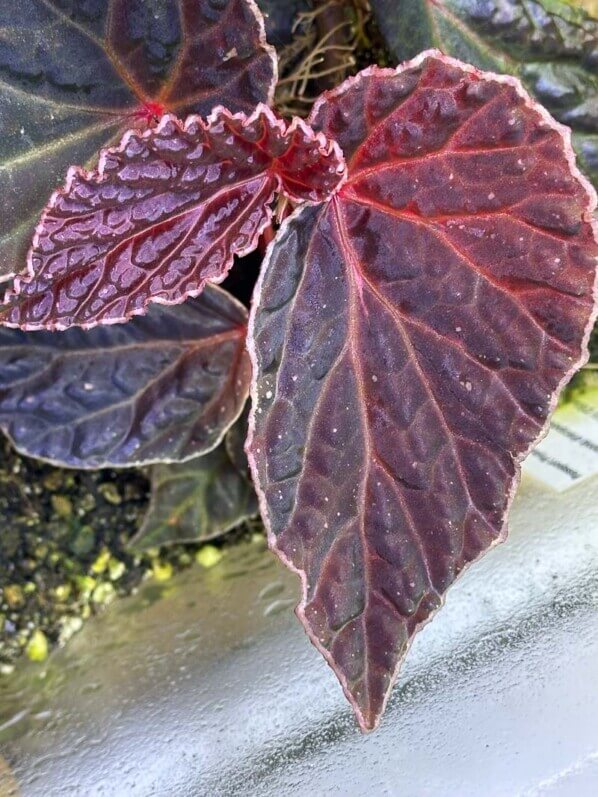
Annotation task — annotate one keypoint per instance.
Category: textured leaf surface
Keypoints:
(161, 388)
(75, 74)
(550, 45)
(166, 211)
(197, 500)
(409, 342)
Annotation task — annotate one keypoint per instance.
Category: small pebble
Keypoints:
(103, 594)
(162, 571)
(13, 595)
(37, 647)
(62, 506)
(110, 493)
(101, 563)
(208, 556)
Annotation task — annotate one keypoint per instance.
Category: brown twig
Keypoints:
(321, 54)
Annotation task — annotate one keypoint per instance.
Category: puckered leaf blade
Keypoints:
(198, 500)
(165, 212)
(77, 75)
(549, 44)
(234, 442)
(163, 388)
(409, 341)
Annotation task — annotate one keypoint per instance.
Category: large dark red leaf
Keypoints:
(164, 388)
(549, 44)
(409, 341)
(166, 211)
(75, 74)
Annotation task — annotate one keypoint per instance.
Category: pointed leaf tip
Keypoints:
(409, 341)
(165, 212)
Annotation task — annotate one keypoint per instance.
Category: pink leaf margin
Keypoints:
(326, 147)
(268, 48)
(592, 202)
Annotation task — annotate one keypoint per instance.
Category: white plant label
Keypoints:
(569, 452)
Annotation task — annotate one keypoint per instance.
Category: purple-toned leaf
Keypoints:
(161, 388)
(165, 212)
(76, 75)
(197, 500)
(409, 341)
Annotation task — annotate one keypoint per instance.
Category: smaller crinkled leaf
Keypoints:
(550, 45)
(165, 387)
(165, 212)
(74, 76)
(197, 500)
(409, 339)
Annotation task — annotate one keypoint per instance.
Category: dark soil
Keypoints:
(55, 525)
(63, 550)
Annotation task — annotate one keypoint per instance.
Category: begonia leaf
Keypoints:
(409, 340)
(75, 75)
(197, 500)
(166, 211)
(552, 46)
(165, 387)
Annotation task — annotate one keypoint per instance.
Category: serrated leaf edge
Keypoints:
(326, 146)
(268, 48)
(592, 202)
(97, 175)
